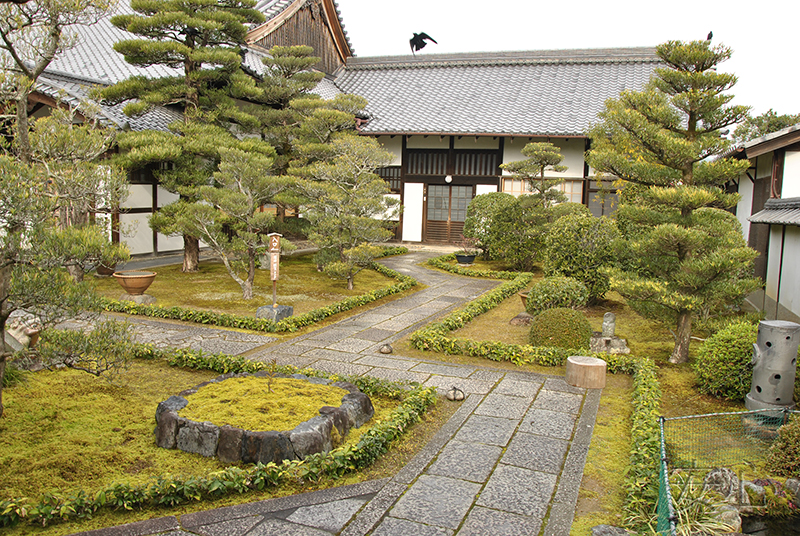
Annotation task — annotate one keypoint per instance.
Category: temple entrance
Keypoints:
(446, 211)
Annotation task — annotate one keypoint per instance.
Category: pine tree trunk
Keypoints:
(76, 272)
(191, 254)
(680, 354)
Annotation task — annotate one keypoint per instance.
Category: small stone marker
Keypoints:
(586, 372)
(609, 324)
(455, 394)
(386, 349)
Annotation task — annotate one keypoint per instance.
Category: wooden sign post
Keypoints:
(274, 264)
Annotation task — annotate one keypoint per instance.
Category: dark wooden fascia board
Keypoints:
(771, 145)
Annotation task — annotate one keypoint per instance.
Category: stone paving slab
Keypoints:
(445, 383)
(507, 406)
(424, 500)
(468, 461)
(443, 370)
(339, 367)
(394, 375)
(487, 430)
(331, 355)
(549, 423)
(485, 522)
(386, 362)
(375, 335)
(350, 345)
(331, 516)
(539, 453)
(558, 401)
(392, 526)
(519, 491)
(517, 388)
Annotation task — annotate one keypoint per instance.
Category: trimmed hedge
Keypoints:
(291, 324)
(724, 366)
(446, 263)
(561, 327)
(170, 491)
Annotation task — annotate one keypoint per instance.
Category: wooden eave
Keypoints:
(337, 32)
(275, 23)
(332, 18)
(769, 146)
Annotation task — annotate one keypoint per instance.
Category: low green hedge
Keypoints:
(291, 324)
(170, 491)
(446, 263)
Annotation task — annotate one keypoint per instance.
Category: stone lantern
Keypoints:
(774, 366)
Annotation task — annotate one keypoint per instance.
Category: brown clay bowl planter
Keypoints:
(134, 282)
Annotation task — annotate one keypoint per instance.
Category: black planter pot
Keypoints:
(465, 259)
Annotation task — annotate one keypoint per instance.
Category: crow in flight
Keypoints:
(418, 41)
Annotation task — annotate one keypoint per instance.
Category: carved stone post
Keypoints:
(774, 365)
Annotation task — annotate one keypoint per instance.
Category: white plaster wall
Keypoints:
(791, 175)
(141, 196)
(485, 189)
(790, 275)
(763, 166)
(169, 243)
(745, 206)
(412, 211)
(136, 234)
(165, 197)
(428, 142)
(572, 149)
(394, 145)
(476, 142)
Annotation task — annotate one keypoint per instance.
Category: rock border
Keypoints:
(231, 444)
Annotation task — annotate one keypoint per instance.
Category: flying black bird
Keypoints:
(418, 41)
(710, 35)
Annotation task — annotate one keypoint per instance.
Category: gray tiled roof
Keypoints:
(326, 89)
(551, 92)
(74, 91)
(779, 212)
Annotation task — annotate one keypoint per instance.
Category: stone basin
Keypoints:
(231, 444)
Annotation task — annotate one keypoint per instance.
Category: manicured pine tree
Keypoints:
(685, 254)
(203, 41)
(542, 156)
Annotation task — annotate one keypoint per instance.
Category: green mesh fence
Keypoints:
(713, 440)
(666, 516)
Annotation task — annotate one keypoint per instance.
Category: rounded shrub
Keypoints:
(783, 458)
(560, 327)
(580, 246)
(557, 291)
(723, 365)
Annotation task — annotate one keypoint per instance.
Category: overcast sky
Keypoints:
(762, 34)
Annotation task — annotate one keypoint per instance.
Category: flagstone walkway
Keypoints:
(508, 462)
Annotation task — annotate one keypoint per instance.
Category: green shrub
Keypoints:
(480, 213)
(517, 233)
(784, 453)
(561, 327)
(723, 365)
(580, 246)
(553, 292)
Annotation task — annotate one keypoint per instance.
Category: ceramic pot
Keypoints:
(134, 282)
(465, 259)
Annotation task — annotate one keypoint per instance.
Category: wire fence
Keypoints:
(713, 440)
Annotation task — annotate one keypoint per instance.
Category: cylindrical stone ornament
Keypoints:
(774, 365)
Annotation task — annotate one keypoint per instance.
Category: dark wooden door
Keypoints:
(446, 211)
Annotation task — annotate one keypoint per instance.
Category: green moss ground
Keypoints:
(258, 404)
(66, 430)
(300, 286)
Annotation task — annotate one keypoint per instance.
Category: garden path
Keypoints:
(508, 462)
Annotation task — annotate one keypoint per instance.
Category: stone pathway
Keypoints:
(509, 461)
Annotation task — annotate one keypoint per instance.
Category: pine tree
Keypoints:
(685, 253)
(205, 40)
(542, 156)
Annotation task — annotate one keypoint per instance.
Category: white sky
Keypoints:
(762, 34)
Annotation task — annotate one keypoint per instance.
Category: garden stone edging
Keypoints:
(231, 444)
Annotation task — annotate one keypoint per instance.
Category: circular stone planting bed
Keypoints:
(231, 444)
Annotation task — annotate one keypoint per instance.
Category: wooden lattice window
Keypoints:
(391, 174)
